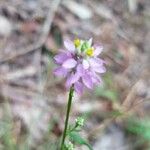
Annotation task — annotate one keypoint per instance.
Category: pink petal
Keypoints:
(98, 50)
(69, 63)
(87, 81)
(80, 69)
(69, 45)
(95, 62)
(60, 58)
(68, 53)
(68, 83)
(100, 69)
(72, 79)
(78, 86)
(85, 64)
(96, 79)
(60, 71)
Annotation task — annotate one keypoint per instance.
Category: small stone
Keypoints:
(81, 11)
(5, 27)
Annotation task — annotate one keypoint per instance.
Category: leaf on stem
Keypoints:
(75, 137)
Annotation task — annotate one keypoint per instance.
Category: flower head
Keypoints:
(69, 146)
(79, 122)
(80, 64)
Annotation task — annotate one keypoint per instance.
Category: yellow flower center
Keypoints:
(90, 51)
(77, 43)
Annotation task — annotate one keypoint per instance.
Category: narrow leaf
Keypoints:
(75, 137)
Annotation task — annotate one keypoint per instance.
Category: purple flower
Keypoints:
(80, 64)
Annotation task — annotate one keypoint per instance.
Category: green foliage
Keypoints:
(69, 146)
(77, 139)
(140, 128)
(73, 133)
(116, 113)
(79, 122)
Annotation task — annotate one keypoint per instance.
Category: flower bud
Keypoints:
(69, 146)
(79, 122)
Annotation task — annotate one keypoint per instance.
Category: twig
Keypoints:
(20, 73)
(130, 99)
(45, 31)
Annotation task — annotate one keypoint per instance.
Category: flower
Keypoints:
(79, 122)
(80, 64)
(69, 146)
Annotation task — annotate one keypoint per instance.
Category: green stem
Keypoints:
(67, 116)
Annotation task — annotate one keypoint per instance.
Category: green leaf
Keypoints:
(139, 127)
(75, 137)
(116, 113)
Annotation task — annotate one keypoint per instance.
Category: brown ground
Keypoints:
(31, 32)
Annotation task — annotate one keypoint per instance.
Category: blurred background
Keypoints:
(32, 100)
